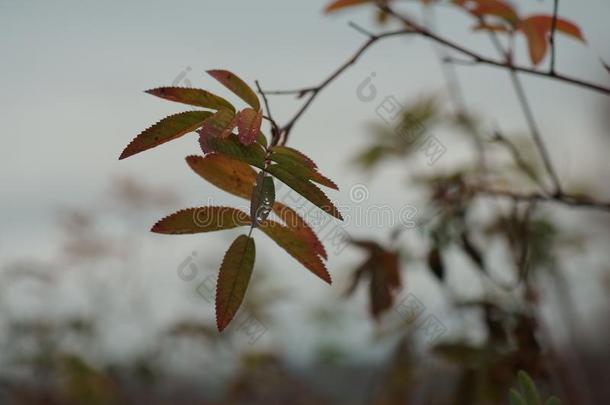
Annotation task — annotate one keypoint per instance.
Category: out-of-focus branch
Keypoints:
(480, 59)
(565, 199)
(552, 37)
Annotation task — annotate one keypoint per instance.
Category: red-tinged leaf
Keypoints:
(341, 4)
(483, 26)
(252, 154)
(537, 29)
(228, 174)
(233, 279)
(219, 125)
(167, 129)
(196, 97)
(296, 167)
(202, 219)
(307, 189)
(297, 224)
(495, 8)
(288, 151)
(237, 86)
(249, 125)
(382, 266)
(296, 247)
(263, 197)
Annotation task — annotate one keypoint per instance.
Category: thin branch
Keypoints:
(564, 199)
(480, 59)
(314, 91)
(552, 38)
(361, 30)
(275, 130)
(531, 122)
(516, 155)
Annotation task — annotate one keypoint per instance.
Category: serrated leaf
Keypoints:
(293, 221)
(341, 4)
(230, 175)
(196, 97)
(537, 28)
(296, 154)
(295, 165)
(307, 189)
(233, 279)
(167, 129)
(296, 247)
(202, 219)
(249, 125)
(529, 389)
(516, 398)
(263, 197)
(262, 140)
(219, 125)
(252, 154)
(237, 86)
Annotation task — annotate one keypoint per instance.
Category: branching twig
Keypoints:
(480, 59)
(314, 91)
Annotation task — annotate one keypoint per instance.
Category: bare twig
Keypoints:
(564, 199)
(480, 59)
(275, 130)
(552, 37)
(314, 91)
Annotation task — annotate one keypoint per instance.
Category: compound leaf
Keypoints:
(230, 175)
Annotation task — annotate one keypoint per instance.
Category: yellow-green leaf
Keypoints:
(196, 97)
(307, 189)
(233, 279)
(228, 174)
(167, 129)
(295, 154)
(202, 219)
(263, 197)
(237, 86)
(299, 168)
(296, 247)
(219, 125)
(252, 154)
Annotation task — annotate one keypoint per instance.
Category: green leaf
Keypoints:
(295, 154)
(230, 175)
(233, 279)
(553, 401)
(249, 125)
(296, 167)
(196, 97)
(167, 129)
(252, 154)
(529, 389)
(202, 219)
(237, 86)
(263, 197)
(296, 247)
(262, 140)
(299, 227)
(219, 125)
(306, 189)
(516, 398)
